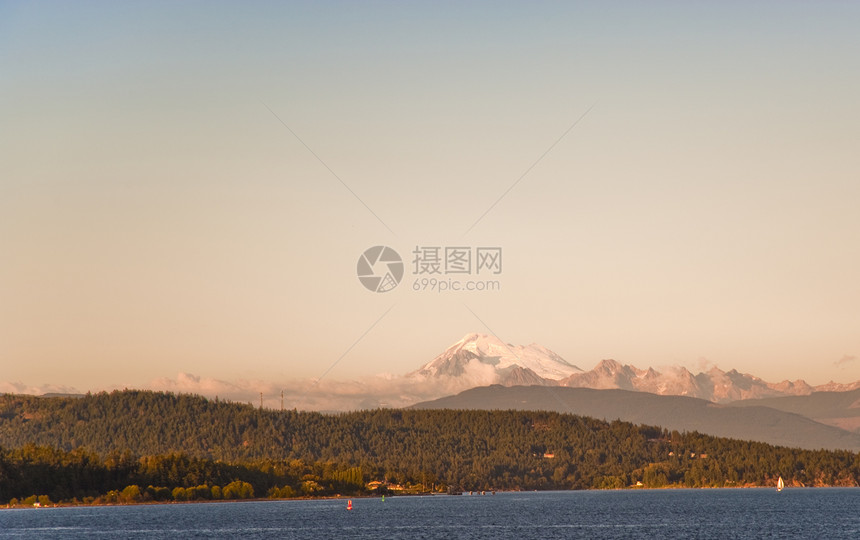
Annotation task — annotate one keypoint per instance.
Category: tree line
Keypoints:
(100, 444)
(39, 474)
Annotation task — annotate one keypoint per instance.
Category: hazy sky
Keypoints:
(156, 217)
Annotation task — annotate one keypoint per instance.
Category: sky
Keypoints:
(186, 187)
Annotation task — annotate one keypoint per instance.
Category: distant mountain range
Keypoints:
(756, 423)
(716, 402)
(491, 374)
(480, 360)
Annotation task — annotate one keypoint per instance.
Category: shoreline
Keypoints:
(348, 497)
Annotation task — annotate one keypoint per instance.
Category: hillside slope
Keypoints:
(838, 409)
(757, 423)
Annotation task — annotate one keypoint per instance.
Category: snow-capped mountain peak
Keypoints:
(496, 359)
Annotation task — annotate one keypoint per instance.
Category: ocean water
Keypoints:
(711, 513)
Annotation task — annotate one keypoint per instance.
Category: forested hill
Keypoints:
(466, 449)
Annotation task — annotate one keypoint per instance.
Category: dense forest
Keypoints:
(134, 446)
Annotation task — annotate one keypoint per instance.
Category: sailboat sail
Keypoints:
(780, 485)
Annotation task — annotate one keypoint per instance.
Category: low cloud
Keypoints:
(704, 365)
(371, 392)
(845, 360)
(38, 390)
(383, 390)
(326, 395)
(699, 365)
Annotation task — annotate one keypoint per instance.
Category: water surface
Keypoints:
(707, 513)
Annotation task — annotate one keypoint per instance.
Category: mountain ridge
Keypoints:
(480, 360)
(682, 413)
(838, 409)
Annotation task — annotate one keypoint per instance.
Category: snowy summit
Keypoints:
(487, 357)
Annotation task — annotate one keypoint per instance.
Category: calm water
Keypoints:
(733, 513)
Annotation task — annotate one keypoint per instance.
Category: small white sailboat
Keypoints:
(780, 485)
